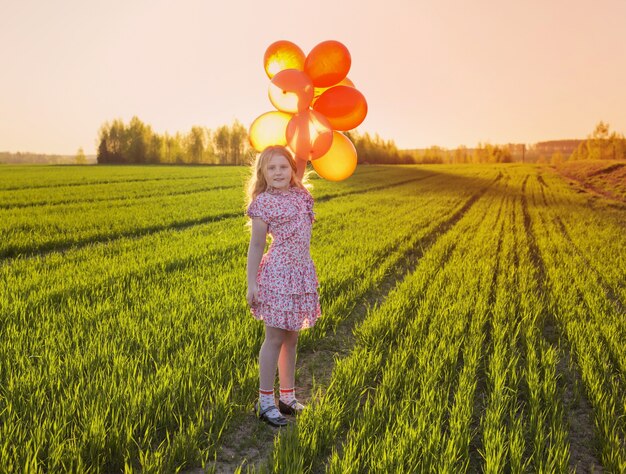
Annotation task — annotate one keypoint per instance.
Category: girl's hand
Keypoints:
(253, 294)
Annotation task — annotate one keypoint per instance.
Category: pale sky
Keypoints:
(446, 72)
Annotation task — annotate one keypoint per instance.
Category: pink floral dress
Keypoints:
(286, 277)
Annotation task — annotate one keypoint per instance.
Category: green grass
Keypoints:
(127, 344)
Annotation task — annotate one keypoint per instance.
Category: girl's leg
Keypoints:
(287, 360)
(268, 356)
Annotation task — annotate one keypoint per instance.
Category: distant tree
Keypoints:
(502, 154)
(195, 145)
(81, 159)
(373, 149)
(460, 155)
(601, 145)
(138, 139)
(480, 154)
(177, 149)
(221, 140)
(154, 149)
(433, 155)
(237, 143)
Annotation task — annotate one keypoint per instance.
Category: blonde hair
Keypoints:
(257, 182)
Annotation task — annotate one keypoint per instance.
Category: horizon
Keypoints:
(95, 154)
(442, 75)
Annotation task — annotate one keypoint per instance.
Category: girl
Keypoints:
(282, 284)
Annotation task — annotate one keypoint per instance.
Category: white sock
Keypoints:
(287, 395)
(266, 400)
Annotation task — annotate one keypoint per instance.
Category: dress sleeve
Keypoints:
(256, 209)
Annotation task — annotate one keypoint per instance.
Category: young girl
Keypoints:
(282, 284)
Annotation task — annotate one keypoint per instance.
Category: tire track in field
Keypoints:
(480, 392)
(111, 199)
(578, 409)
(336, 345)
(328, 197)
(543, 185)
(104, 181)
(12, 251)
(64, 246)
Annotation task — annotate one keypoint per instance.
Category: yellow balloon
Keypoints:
(269, 129)
(339, 162)
(282, 55)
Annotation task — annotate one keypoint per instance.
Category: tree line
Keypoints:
(601, 144)
(136, 142)
(483, 153)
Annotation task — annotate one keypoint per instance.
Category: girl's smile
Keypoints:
(278, 172)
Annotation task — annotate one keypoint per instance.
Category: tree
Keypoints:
(221, 140)
(81, 159)
(601, 145)
(461, 155)
(194, 145)
(237, 143)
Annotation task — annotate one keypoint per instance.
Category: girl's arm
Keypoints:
(300, 167)
(255, 253)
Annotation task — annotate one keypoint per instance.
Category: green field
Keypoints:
(474, 320)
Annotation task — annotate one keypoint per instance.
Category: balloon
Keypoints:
(339, 162)
(269, 129)
(318, 91)
(309, 134)
(328, 63)
(291, 91)
(282, 55)
(343, 106)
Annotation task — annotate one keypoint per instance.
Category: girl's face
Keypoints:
(278, 172)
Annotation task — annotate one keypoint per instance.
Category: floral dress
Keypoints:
(287, 280)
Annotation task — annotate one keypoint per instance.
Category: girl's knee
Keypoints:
(274, 336)
(291, 338)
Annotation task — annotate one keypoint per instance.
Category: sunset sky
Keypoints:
(446, 72)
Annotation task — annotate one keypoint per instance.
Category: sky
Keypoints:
(446, 72)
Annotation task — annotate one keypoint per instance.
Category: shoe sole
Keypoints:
(287, 410)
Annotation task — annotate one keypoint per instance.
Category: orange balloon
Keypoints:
(291, 91)
(269, 129)
(328, 63)
(343, 106)
(318, 91)
(282, 55)
(309, 135)
(339, 162)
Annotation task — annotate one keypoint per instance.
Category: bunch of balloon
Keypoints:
(315, 101)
